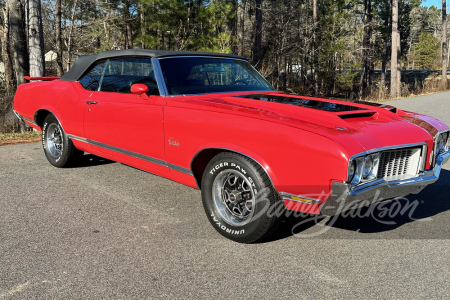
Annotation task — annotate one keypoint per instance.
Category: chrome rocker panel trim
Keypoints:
(23, 119)
(141, 156)
(133, 154)
(343, 197)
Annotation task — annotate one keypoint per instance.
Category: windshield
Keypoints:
(192, 75)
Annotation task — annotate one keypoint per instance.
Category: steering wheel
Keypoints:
(146, 80)
(90, 85)
(240, 81)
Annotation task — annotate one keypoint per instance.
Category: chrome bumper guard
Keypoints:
(344, 197)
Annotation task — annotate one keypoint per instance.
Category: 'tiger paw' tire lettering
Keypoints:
(237, 195)
(58, 148)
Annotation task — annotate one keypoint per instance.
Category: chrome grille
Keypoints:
(399, 163)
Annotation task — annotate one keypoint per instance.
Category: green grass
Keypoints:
(19, 138)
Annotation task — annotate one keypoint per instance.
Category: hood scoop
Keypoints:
(367, 114)
(302, 102)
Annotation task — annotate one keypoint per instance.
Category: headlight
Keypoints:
(368, 166)
(351, 170)
(363, 168)
(442, 143)
(447, 144)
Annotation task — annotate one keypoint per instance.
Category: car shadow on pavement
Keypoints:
(90, 160)
(292, 225)
(385, 216)
(381, 217)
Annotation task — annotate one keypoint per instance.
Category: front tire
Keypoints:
(239, 199)
(58, 148)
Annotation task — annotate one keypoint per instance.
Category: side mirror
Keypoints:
(140, 89)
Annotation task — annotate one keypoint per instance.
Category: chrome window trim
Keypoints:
(202, 56)
(159, 78)
(231, 92)
(102, 76)
(166, 92)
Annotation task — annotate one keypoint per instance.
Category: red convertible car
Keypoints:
(212, 122)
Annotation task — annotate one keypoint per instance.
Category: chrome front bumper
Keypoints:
(345, 197)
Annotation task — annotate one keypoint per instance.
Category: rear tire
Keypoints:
(239, 199)
(58, 148)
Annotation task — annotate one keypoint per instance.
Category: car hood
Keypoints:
(371, 125)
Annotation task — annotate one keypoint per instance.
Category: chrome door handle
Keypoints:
(91, 102)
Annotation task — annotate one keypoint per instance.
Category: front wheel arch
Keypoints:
(204, 156)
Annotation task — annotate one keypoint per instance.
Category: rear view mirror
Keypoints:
(140, 89)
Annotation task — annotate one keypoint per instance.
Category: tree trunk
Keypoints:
(241, 48)
(6, 52)
(36, 39)
(395, 53)
(257, 45)
(18, 44)
(399, 61)
(234, 27)
(444, 45)
(69, 42)
(385, 43)
(366, 65)
(19, 40)
(314, 50)
(142, 18)
(129, 34)
(59, 51)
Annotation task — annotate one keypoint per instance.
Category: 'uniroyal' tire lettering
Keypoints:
(224, 228)
(44, 132)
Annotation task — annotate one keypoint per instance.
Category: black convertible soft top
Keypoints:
(83, 62)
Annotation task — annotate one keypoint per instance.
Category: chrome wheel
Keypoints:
(233, 197)
(54, 140)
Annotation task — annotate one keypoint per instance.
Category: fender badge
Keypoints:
(341, 128)
(173, 142)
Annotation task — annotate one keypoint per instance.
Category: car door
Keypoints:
(125, 125)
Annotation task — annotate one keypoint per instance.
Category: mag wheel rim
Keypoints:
(233, 197)
(54, 140)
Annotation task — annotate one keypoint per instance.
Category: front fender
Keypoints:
(298, 162)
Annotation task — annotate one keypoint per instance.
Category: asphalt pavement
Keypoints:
(104, 230)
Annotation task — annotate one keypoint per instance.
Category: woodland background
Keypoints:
(352, 49)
